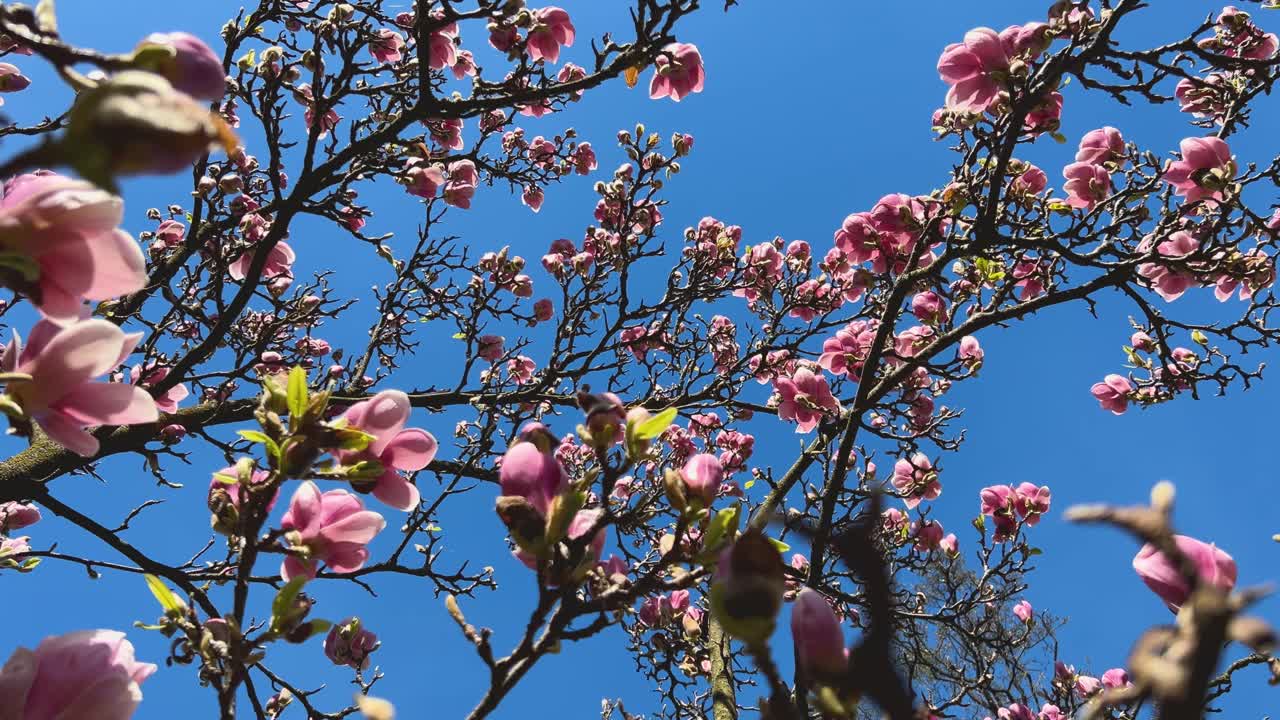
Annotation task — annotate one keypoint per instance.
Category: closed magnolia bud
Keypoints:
(818, 637)
(135, 122)
(674, 486)
(185, 61)
(1214, 567)
(702, 476)
(746, 594)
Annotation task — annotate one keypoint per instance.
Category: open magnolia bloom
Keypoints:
(60, 392)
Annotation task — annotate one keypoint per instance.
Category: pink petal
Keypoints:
(411, 449)
(395, 490)
(109, 404)
(357, 528)
(68, 433)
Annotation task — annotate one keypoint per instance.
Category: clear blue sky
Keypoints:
(805, 118)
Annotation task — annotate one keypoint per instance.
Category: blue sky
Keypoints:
(806, 117)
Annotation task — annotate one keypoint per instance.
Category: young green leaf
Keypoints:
(654, 426)
(297, 392)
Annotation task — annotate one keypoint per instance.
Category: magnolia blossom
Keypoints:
(805, 398)
(1100, 147)
(16, 516)
(151, 375)
(348, 643)
(69, 229)
(12, 79)
(387, 46)
(278, 265)
(190, 66)
(702, 475)
(1113, 393)
(916, 479)
(86, 674)
(818, 638)
(332, 528)
(551, 30)
(1023, 611)
(1087, 184)
(970, 352)
(1170, 282)
(62, 396)
(975, 69)
(1115, 678)
(1214, 567)
(677, 73)
(398, 449)
(530, 469)
(1205, 170)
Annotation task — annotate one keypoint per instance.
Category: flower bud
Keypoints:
(185, 61)
(746, 593)
(818, 637)
(348, 643)
(133, 123)
(702, 475)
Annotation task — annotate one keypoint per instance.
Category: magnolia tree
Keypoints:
(610, 421)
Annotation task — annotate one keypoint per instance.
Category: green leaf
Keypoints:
(656, 425)
(459, 336)
(721, 528)
(166, 597)
(297, 392)
(282, 605)
(254, 436)
(21, 264)
(352, 439)
(782, 547)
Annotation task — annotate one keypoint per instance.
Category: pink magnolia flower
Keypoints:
(193, 68)
(805, 398)
(12, 79)
(532, 197)
(530, 469)
(69, 228)
(1051, 712)
(1031, 181)
(551, 29)
(490, 347)
(847, 351)
(929, 307)
(678, 72)
(16, 516)
(1113, 393)
(422, 179)
(916, 479)
(1015, 711)
(1205, 170)
(1031, 502)
(970, 352)
(85, 674)
(278, 267)
(1087, 685)
(348, 643)
(332, 528)
(462, 183)
(1142, 342)
(1215, 567)
(166, 402)
(928, 535)
(443, 53)
(975, 69)
(950, 545)
(387, 46)
(61, 396)
(1087, 184)
(399, 449)
(702, 475)
(1023, 611)
(521, 369)
(1170, 283)
(1115, 678)
(818, 638)
(1209, 96)
(226, 483)
(1100, 147)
